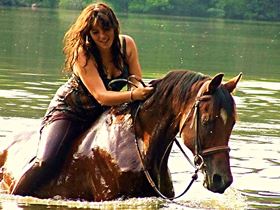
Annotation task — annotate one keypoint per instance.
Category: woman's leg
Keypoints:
(55, 142)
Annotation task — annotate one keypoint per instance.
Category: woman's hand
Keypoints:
(141, 93)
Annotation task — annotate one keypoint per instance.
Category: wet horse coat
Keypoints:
(103, 164)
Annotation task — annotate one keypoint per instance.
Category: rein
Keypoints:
(146, 172)
(128, 81)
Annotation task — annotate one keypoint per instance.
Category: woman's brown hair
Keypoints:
(78, 36)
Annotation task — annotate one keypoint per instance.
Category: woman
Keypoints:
(95, 55)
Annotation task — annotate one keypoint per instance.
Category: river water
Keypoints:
(30, 60)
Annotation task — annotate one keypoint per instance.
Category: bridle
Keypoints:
(198, 162)
(199, 153)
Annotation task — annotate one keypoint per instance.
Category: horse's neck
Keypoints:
(160, 124)
(158, 127)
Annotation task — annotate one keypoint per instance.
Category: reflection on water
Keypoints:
(26, 95)
(262, 199)
(256, 143)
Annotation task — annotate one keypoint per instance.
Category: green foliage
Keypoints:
(262, 10)
(149, 6)
(234, 9)
(71, 4)
(216, 12)
(15, 2)
(119, 5)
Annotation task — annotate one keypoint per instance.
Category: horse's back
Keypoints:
(112, 135)
(106, 158)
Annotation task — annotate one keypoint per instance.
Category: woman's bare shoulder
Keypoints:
(83, 61)
(130, 45)
(81, 56)
(129, 40)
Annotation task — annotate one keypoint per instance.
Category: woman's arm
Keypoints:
(93, 82)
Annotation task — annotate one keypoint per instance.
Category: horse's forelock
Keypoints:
(225, 100)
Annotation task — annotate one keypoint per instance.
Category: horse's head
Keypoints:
(206, 130)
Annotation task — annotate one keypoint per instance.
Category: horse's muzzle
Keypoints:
(217, 183)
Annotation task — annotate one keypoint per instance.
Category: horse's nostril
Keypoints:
(217, 179)
(219, 183)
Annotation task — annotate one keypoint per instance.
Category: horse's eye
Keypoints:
(204, 121)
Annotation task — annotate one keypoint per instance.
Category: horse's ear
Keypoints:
(215, 83)
(231, 84)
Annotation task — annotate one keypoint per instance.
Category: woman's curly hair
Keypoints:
(78, 36)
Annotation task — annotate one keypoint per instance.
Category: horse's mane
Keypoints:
(175, 86)
(178, 85)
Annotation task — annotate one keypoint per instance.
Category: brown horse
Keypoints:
(129, 144)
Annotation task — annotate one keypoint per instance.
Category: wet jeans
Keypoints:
(56, 140)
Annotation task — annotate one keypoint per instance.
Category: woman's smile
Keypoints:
(102, 37)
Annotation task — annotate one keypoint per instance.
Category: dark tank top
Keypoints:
(73, 101)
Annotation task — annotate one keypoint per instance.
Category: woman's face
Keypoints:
(103, 38)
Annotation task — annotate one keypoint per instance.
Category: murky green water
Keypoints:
(30, 63)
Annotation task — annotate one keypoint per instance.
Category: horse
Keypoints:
(125, 151)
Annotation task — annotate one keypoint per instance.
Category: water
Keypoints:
(30, 60)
